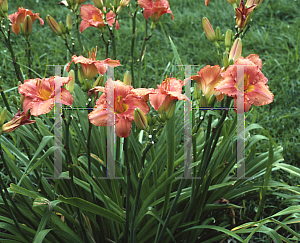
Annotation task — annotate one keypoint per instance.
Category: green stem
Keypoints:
(106, 46)
(28, 59)
(170, 126)
(127, 190)
(132, 45)
(13, 57)
(77, 32)
(141, 54)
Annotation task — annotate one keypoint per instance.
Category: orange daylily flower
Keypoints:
(160, 98)
(125, 102)
(256, 91)
(242, 12)
(18, 120)
(93, 17)
(90, 66)
(40, 95)
(17, 18)
(155, 9)
(207, 78)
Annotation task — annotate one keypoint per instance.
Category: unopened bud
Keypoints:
(69, 23)
(218, 33)
(225, 60)
(62, 27)
(196, 91)
(127, 78)
(171, 109)
(194, 129)
(209, 31)
(71, 84)
(202, 101)
(236, 50)
(154, 120)
(124, 3)
(99, 81)
(4, 6)
(80, 76)
(14, 99)
(211, 101)
(140, 119)
(107, 5)
(98, 3)
(228, 38)
(149, 120)
(116, 3)
(163, 116)
(22, 100)
(3, 116)
(53, 25)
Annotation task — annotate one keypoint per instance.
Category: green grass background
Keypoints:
(274, 36)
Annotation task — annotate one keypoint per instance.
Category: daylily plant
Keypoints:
(125, 102)
(255, 83)
(93, 17)
(90, 66)
(19, 17)
(40, 95)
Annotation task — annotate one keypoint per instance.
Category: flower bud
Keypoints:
(228, 38)
(211, 101)
(171, 109)
(236, 50)
(26, 27)
(22, 100)
(149, 120)
(62, 27)
(124, 3)
(107, 5)
(4, 7)
(127, 78)
(116, 3)
(69, 23)
(154, 120)
(71, 84)
(196, 91)
(209, 31)
(140, 119)
(98, 3)
(225, 60)
(231, 1)
(3, 116)
(80, 76)
(194, 129)
(14, 99)
(218, 34)
(53, 25)
(99, 81)
(258, 2)
(202, 100)
(163, 116)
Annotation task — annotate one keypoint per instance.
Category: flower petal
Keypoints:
(123, 128)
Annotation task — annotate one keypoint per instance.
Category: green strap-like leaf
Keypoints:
(90, 207)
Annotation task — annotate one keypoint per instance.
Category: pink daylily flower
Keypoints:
(17, 18)
(155, 9)
(90, 66)
(40, 95)
(255, 83)
(93, 17)
(207, 79)
(125, 101)
(160, 98)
